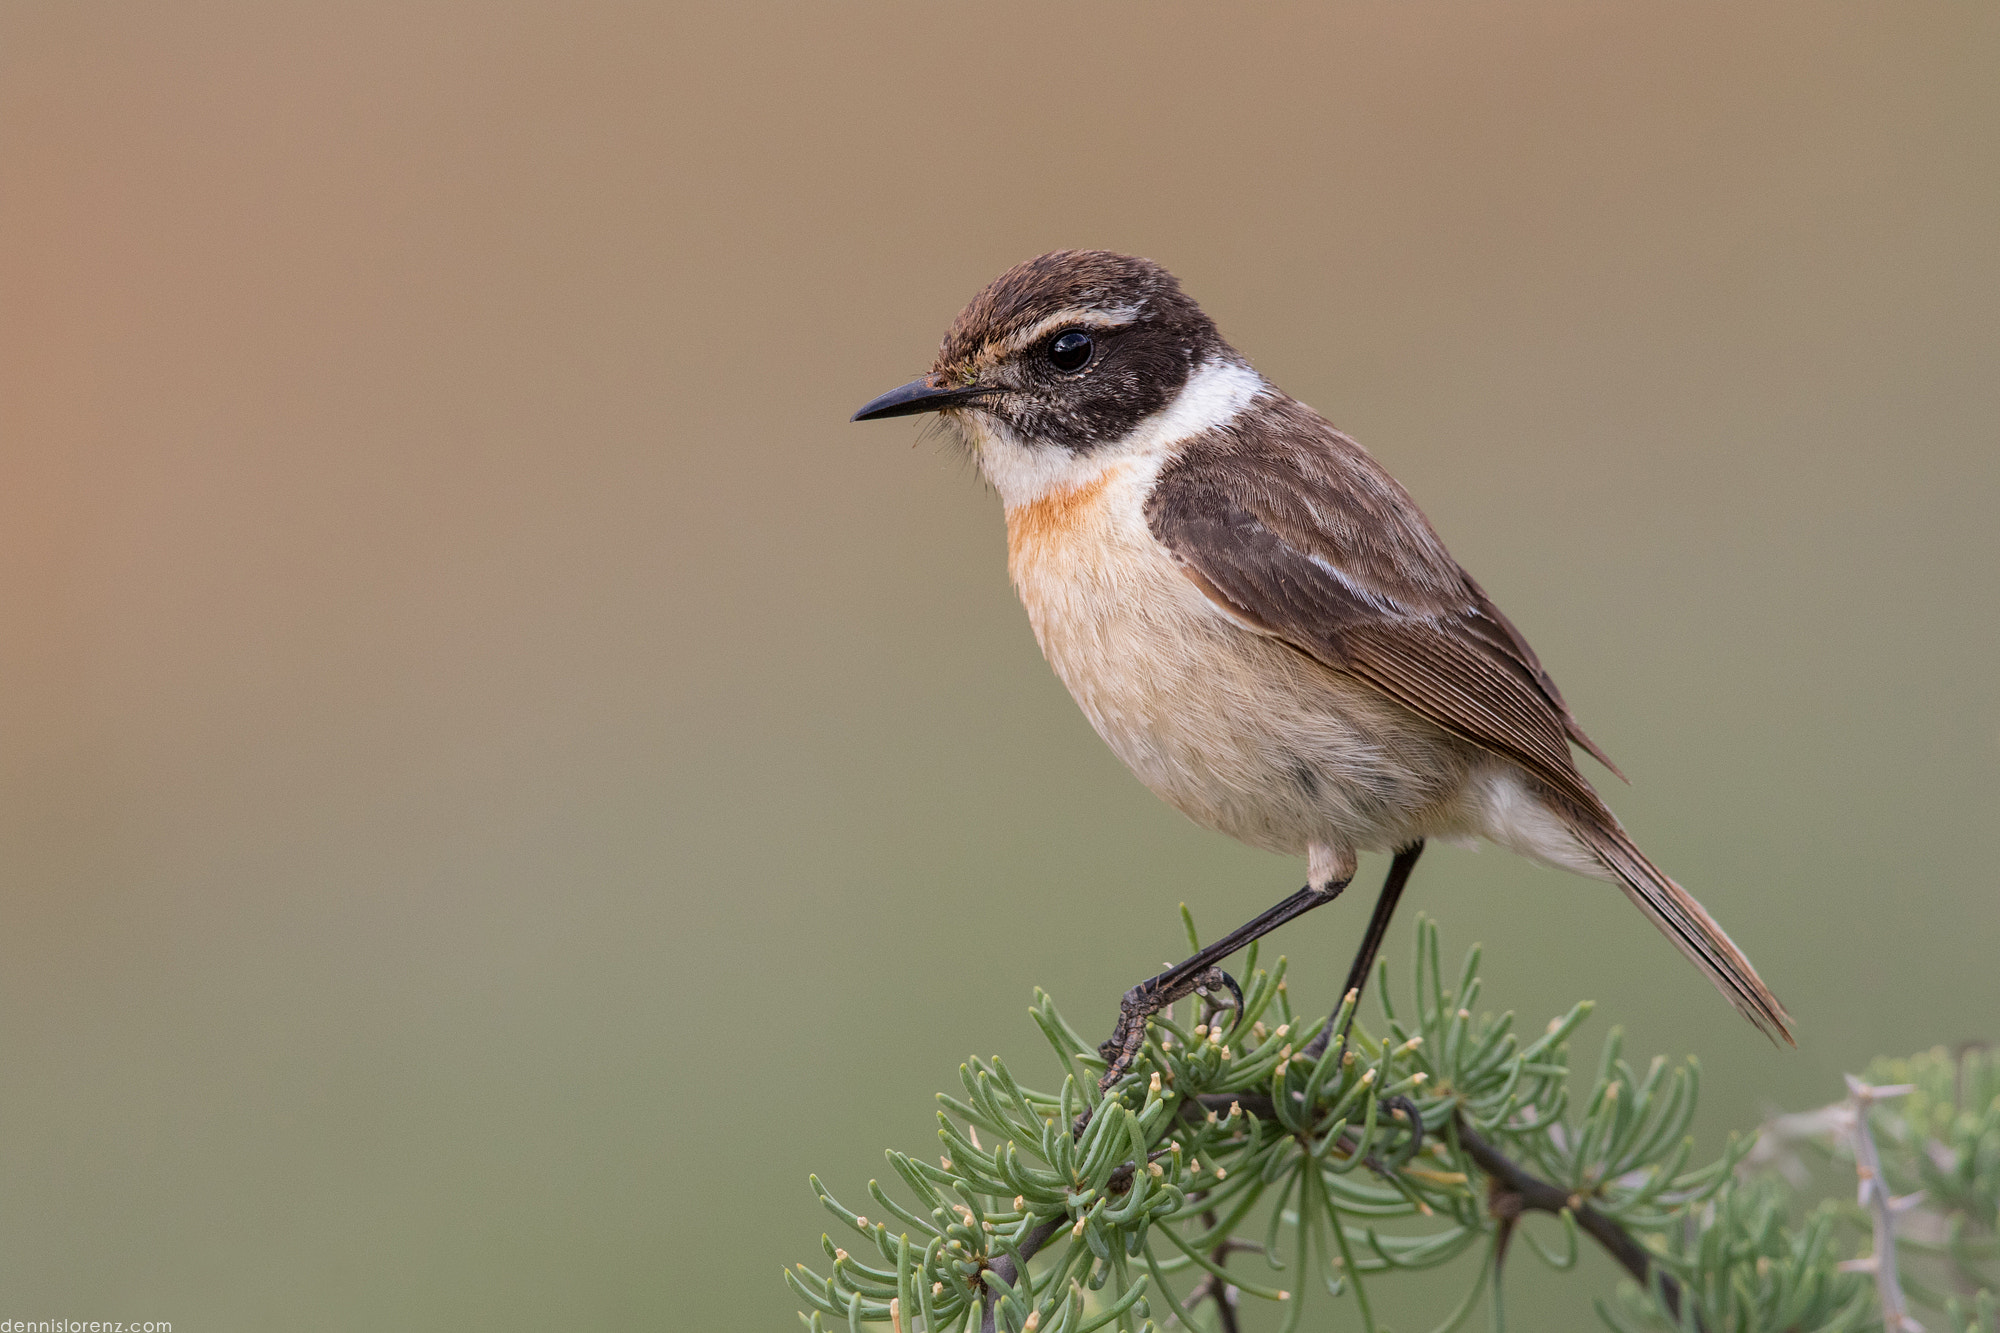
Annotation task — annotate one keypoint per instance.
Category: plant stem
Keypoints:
(1004, 1266)
(1513, 1191)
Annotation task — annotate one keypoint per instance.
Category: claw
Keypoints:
(1209, 981)
(1141, 1003)
(1416, 1143)
(1198, 972)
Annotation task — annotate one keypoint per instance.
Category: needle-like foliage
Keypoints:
(1234, 1163)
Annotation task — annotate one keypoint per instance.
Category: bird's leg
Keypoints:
(1199, 973)
(1371, 944)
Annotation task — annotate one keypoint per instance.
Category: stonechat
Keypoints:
(1258, 619)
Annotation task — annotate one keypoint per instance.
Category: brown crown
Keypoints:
(1062, 279)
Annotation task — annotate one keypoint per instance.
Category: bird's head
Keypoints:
(1067, 352)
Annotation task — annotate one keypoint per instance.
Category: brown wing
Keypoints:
(1293, 527)
(1499, 633)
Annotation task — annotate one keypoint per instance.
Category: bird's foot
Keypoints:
(1148, 998)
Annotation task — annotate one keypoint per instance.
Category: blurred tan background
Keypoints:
(497, 776)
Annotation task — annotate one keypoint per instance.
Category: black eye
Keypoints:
(1071, 351)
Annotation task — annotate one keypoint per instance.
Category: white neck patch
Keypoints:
(1024, 471)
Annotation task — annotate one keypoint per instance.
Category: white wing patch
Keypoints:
(1355, 590)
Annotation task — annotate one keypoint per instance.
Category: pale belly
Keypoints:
(1238, 731)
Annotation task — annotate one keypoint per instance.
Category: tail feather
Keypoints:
(1685, 922)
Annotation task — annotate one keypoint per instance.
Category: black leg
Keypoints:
(1371, 944)
(1197, 973)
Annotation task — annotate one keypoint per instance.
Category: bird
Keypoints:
(1258, 619)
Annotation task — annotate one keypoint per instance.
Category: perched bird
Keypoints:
(1256, 617)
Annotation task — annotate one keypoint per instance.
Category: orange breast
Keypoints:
(1037, 529)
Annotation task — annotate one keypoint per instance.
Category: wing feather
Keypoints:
(1298, 531)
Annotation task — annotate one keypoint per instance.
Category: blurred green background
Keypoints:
(498, 779)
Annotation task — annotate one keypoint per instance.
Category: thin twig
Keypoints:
(1874, 1196)
(1514, 1191)
(1008, 1272)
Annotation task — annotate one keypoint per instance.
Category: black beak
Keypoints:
(914, 397)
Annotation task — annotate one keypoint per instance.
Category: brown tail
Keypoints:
(1685, 922)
